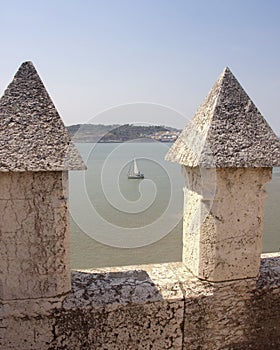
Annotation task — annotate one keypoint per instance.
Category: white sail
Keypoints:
(135, 167)
(133, 172)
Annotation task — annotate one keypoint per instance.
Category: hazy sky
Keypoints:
(97, 55)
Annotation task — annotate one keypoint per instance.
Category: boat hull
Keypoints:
(136, 176)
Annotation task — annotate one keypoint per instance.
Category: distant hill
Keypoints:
(121, 133)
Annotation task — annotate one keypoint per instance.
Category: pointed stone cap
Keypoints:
(227, 130)
(32, 134)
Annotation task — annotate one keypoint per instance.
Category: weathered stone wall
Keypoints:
(153, 307)
(34, 250)
(223, 221)
(235, 305)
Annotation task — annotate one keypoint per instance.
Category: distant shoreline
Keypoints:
(100, 133)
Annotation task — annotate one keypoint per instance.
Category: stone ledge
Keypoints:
(162, 305)
(269, 271)
(113, 286)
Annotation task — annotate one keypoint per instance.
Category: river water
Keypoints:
(118, 221)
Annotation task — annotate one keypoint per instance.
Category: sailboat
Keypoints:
(133, 172)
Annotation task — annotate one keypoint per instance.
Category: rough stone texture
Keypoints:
(227, 130)
(34, 249)
(32, 135)
(222, 233)
(237, 315)
(216, 314)
(152, 307)
(138, 307)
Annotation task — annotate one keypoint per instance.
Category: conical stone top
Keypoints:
(32, 134)
(227, 130)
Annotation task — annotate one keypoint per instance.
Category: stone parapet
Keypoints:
(217, 298)
(227, 152)
(154, 307)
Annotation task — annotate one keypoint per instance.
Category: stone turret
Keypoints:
(227, 152)
(36, 153)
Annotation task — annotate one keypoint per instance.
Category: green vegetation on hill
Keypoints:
(117, 133)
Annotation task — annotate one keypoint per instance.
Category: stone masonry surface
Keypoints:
(34, 250)
(227, 130)
(32, 135)
(152, 307)
(222, 235)
(138, 307)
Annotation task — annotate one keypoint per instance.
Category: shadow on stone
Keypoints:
(115, 309)
(112, 288)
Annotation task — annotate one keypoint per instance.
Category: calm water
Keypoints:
(116, 221)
